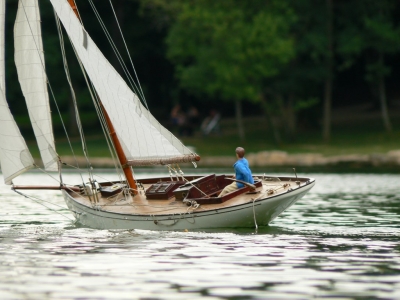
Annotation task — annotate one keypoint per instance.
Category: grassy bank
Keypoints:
(354, 138)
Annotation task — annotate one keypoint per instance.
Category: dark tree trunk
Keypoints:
(290, 117)
(382, 97)
(239, 120)
(326, 122)
(272, 119)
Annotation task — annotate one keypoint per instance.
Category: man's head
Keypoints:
(240, 152)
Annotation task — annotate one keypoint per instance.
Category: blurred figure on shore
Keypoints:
(211, 123)
(178, 119)
(193, 120)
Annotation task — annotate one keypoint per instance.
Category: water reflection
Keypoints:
(339, 241)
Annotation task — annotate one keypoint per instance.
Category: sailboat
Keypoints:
(175, 201)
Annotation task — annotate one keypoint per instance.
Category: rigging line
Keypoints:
(95, 175)
(115, 49)
(76, 106)
(47, 78)
(93, 95)
(101, 115)
(254, 215)
(66, 69)
(129, 55)
(155, 123)
(59, 181)
(36, 200)
(79, 14)
(119, 56)
(106, 132)
(145, 111)
(48, 174)
(40, 58)
(184, 179)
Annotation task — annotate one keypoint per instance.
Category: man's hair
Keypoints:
(240, 152)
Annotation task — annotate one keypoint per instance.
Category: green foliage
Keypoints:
(228, 48)
(306, 71)
(305, 103)
(373, 30)
(352, 137)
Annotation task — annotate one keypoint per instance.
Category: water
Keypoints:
(341, 241)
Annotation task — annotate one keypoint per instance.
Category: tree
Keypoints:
(373, 33)
(226, 49)
(326, 127)
(298, 86)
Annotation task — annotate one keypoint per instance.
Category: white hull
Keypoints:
(261, 212)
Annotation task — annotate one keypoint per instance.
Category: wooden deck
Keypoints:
(140, 205)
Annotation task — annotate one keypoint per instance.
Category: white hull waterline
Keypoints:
(248, 211)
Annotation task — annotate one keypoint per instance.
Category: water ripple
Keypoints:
(340, 241)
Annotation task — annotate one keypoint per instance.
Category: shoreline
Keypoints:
(278, 159)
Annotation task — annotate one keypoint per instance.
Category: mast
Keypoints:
(117, 144)
(74, 8)
(120, 152)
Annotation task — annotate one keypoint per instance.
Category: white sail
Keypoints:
(14, 155)
(141, 135)
(29, 60)
(2, 46)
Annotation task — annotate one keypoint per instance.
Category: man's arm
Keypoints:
(252, 186)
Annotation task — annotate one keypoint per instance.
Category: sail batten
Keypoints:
(140, 134)
(29, 60)
(15, 157)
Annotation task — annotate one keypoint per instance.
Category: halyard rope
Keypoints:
(36, 200)
(254, 215)
(130, 59)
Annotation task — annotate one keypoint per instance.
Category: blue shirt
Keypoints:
(243, 172)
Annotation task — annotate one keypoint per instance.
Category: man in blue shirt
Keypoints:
(242, 172)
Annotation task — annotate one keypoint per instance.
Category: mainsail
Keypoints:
(142, 137)
(14, 154)
(2, 47)
(29, 60)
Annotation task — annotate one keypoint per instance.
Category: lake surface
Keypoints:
(341, 241)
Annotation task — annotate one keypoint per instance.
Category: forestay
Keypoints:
(29, 60)
(14, 154)
(141, 135)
